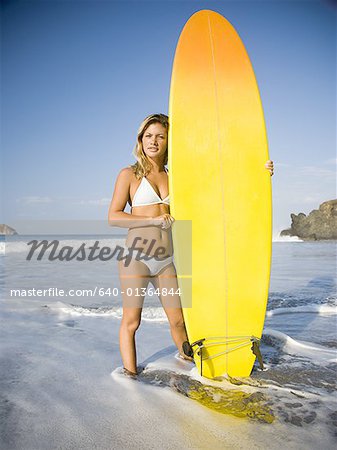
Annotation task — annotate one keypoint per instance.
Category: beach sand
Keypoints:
(61, 389)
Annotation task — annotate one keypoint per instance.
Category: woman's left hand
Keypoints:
(270, 166)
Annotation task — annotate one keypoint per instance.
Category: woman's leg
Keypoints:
(167, 278)
(129, 325)
(132, 279)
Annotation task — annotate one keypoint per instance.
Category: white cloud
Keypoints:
(331, 161)
(34, 199)
(279, 164)
(313, 199)
(300, 189)
(98, 202)
(317, 171)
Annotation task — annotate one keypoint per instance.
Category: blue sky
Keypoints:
(77, 78)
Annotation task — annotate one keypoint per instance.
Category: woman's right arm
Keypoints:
(117, 217)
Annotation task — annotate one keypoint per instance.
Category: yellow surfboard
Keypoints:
(219, 185)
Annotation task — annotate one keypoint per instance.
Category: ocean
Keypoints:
(60, 366)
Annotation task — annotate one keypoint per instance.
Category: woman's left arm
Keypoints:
(270, 166)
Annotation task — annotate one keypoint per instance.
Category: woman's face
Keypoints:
(155, 140)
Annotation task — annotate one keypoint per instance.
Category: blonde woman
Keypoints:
(144, 186)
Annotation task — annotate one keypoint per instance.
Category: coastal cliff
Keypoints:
(320, 224)
(5, 229)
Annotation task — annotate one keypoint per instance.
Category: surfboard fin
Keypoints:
(257, 352)
(200, 344)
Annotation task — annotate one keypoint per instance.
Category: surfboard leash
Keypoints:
(225, 340)
(200, 344)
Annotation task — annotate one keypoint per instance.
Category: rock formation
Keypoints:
(318, 225)
(5, 229)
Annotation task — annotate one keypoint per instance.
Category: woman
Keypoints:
(145, 186)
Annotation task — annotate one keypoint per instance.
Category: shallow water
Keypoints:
(57, 356)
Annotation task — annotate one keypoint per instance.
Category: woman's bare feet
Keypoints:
(128, 373)
(186, 351)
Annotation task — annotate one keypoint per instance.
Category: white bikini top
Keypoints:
(146, 195)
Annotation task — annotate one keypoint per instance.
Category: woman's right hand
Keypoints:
(164, 221)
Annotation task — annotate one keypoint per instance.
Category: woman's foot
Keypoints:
(130, 374)
(186, 351)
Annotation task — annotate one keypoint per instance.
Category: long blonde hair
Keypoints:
(143, 166)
